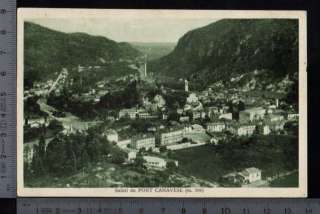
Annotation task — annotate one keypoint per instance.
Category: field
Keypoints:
(287, 181)
(272, 154)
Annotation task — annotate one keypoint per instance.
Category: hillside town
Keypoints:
(208, 117)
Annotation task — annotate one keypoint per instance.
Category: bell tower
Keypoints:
(186, 85)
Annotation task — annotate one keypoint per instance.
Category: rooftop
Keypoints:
(252, 170)
(254, 109)
(111, 131)
(153, 159)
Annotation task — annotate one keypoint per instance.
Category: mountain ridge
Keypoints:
(232, 47)
(46, 51)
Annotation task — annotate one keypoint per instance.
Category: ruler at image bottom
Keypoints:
(166, 206)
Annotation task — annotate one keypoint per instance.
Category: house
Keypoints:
(192, 98)
(252, 114)
(196, 128)
(131, 154)
(216, 127)
(179, 111)
(171, 136)
(217, 137)
(292, 116)
(111, 118)
(184, 119)
(164, 116)
(38, 122)
(144, 141)
(123, 143)
(227, 116)
(152, 129)
(155, 162)
(129, 112)
(264, 129)
(111, 135)
(232, 177)
(212, 110)
(251, 174)
(196, 115)
(143, 114)
(275, 117)
(242, 129)
(224, 109)
(276, 126)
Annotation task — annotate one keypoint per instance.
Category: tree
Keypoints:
(139, 162)
(38, 160)
(55, 125)
(241, 105)
(142, 150)
(163, 149)
(184, 140)
(174, 116)
(118, 157)
(171, 166)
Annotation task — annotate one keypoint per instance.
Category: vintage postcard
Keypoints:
(161, 103)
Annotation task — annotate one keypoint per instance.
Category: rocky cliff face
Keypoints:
(230, 48)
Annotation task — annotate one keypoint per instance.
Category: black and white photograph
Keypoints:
(162, 103)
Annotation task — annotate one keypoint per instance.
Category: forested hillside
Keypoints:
(228, 48)
(46, 51)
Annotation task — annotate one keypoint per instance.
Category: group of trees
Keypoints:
(66, 154)
(122, 99)
(65, 101)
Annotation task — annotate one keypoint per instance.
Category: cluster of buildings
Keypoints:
(135, 113)
(200, 122)
(133, 145)
(246, 176)
(252, 120)
(205, 118)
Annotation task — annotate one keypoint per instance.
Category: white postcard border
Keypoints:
(301, 191)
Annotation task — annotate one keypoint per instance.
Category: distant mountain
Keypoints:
(232, 47)
(153, 50)
(46, 51)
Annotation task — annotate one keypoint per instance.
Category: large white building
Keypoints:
(171, 137)
(144, 141)
(142, 114)
(216, 127)
(156, 162)
(242, 129)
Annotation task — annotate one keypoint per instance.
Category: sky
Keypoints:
(136, 29)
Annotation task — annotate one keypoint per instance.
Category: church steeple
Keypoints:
(145, 66)
(186, 85)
